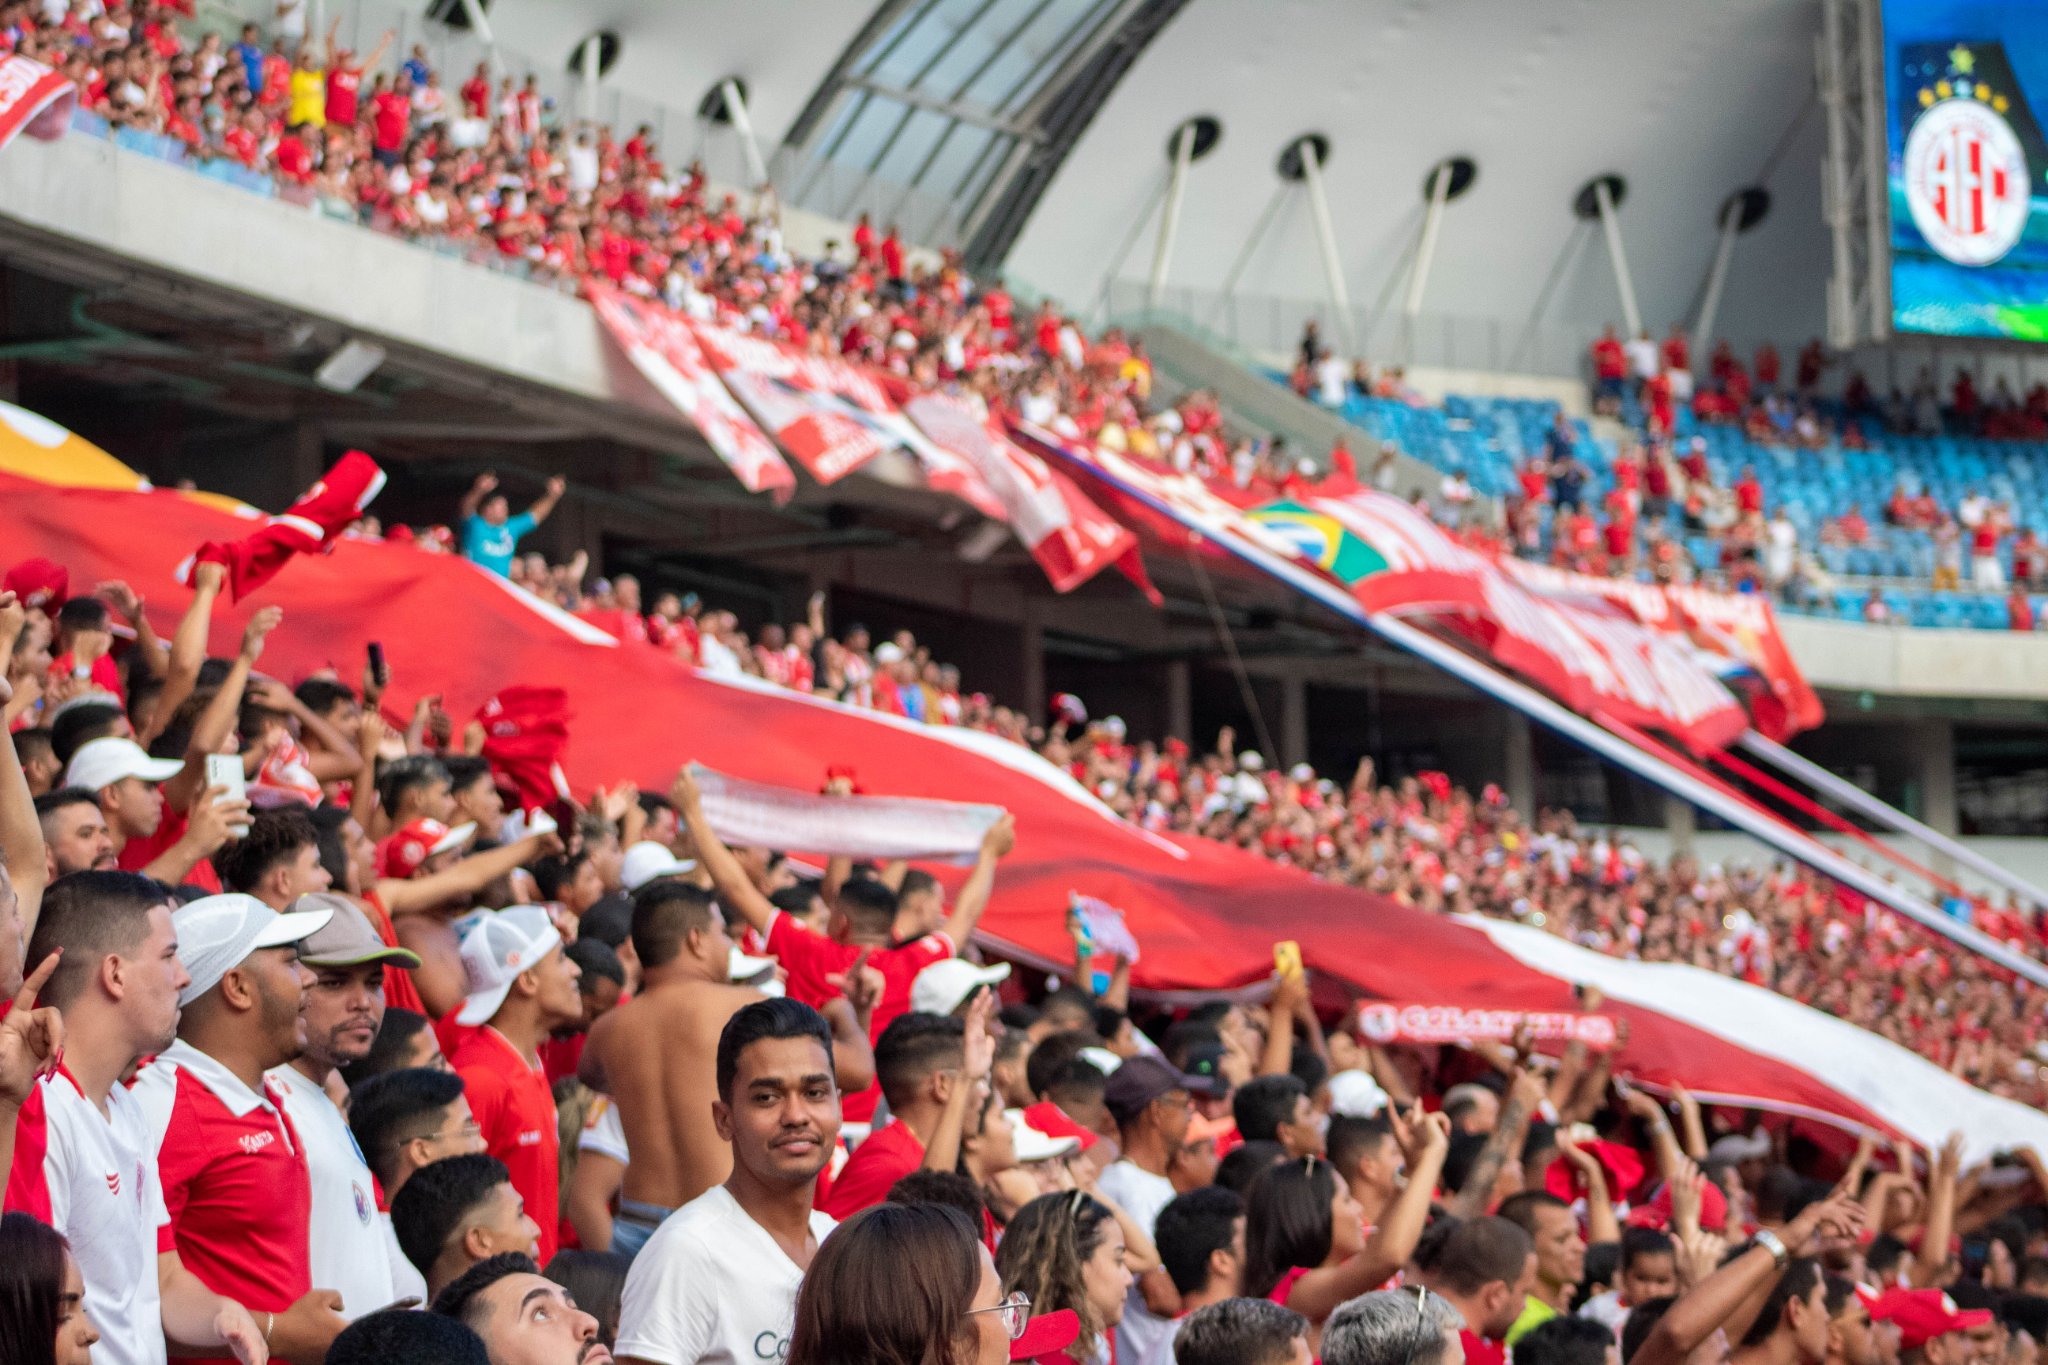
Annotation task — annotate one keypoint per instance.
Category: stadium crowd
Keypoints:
(275, 1077)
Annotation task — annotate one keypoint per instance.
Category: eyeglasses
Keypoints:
(1016, 1311)
(1421, 1322)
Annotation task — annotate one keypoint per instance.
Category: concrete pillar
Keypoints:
(1931, 789)
(1518, 762)
(1031, 650)
(1180, 700)
(1293, 736)
(1681, 822)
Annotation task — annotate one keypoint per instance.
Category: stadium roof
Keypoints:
(1046, 124)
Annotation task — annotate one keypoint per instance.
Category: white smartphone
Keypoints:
(225, 770)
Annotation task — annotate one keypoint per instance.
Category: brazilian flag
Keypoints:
(1322, 540)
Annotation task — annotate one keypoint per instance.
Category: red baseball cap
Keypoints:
(401, 855)
(1051, 1120)
(1924, 1314)
(39, 583)
(1046, 1334)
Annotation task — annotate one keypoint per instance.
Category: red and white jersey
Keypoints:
(93, 1177)
(234, 1175)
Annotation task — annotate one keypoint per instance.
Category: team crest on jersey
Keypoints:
(363, 1205)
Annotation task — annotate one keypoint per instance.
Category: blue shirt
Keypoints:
(251, 57)
(417, 70)
(492, 546)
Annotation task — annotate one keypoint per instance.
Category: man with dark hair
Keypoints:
(1484, 1270)
(331, 701)
(859, 932)
(457, 1212)
(397, 1337)
(277, 861)
(405, 1121)
(1066, 1010)
(1278, 1109)
(79, 723)
(1566, 1341)
(652, 1054)
(75, 833)
(416, 787)
(38, 758)
(97, 1183)
(475, 794)
(1560, 1256)
(1852, 1336)
(1242, 1332)
(235, 1175)
(523, 1317)
(932, 1069)
(1200, 1236)
(717, 1282)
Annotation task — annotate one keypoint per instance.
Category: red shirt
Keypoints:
(1482, 1350)
(391, 112)
(344, 89)
(887, 1156)
(399, 991)
(810, 957)
(137, 854)
(1749, 495)
(234, 1176)
(516, 1110)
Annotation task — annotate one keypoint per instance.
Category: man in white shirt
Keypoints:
(85, 1160)
(716, 1283)
(1643, 361)
(1152, 1104)
(343, 1011)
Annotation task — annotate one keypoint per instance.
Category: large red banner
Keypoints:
(33, 100)
(823, 411)
(662, 347)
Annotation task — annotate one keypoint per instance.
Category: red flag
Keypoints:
(33, 100)
(312, 523)
(526, 730)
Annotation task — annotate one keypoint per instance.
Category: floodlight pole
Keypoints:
(1227, 299)
(1326, 237)
(479, 24)
(743, 124)
(1169, 217)
(1425, 250)
(1603, 199)
(1717, 276)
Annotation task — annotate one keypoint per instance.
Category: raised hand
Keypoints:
(260, 625)
(980, 1040)
(31, 1038)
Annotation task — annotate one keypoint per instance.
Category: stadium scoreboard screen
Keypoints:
(1967, 166)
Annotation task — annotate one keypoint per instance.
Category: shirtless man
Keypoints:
(653, 1055)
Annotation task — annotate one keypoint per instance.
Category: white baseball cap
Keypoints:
(103, 762)
(647, 860)
(744, 969)
(217, 934)
(1354, 1094)
(942, 987)
(1034, 1145)
(496, 948)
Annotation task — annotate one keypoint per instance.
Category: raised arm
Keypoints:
(149, 650)
(545, 503)
(1525, 1093)
(1694, 1131)
(218, 720)
(188, 647)
(333, 755)
(1941, 1213)
(736, 891)
(942, 1153)
(1278, 1058)
(420, 895)
(1425, 1142)
(1658, 1124)
(480, 488)
(1601, 1224)
(974, 893)
(21, 837)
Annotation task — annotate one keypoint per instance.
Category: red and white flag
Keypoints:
(662, 347)
(1071, 538)
(310, 524)
(33, 100)
(821, 409)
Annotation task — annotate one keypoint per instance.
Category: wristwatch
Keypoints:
(1768, 1240)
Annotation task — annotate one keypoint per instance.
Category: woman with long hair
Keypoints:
(1066, 1251)
(912, 1284)
(42, 1297)
(1305, 1243)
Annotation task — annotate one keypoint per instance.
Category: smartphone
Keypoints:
(1287, 957)
(225, 770)
(377, 668)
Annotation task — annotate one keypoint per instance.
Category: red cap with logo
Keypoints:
(1923, 1315)
(401, 855)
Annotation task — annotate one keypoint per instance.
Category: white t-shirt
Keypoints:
(348, 1253)
(711, 1287)
(1142, 1338)
(603, 1133)
(1642, 357)
(98, 1186)
(406, 1280)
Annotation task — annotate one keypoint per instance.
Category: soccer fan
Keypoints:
(1278, 1109)
(490, 533)
(651, 1053)
(457, 1213)
(911, 1282)
(235, 1178)
(42, 1297)
(523, 1318)
(1242, 1332)
(1305, 1242)
(1393, 1327)
(932, 1070)
(1152, 1104)
(522, 986)
(75, 833)
(864, 916)
(85, 1160)
(1648, 1270)
(717, 1282)
(277, 861)
(1560, 1256)
(1200, 1236)
(1484, 1269)
(151, 835)
(397, 1337)
(344, 1008)
(404, 1121)
(1066, 1252)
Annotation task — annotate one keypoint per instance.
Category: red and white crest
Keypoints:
(1966, 181)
